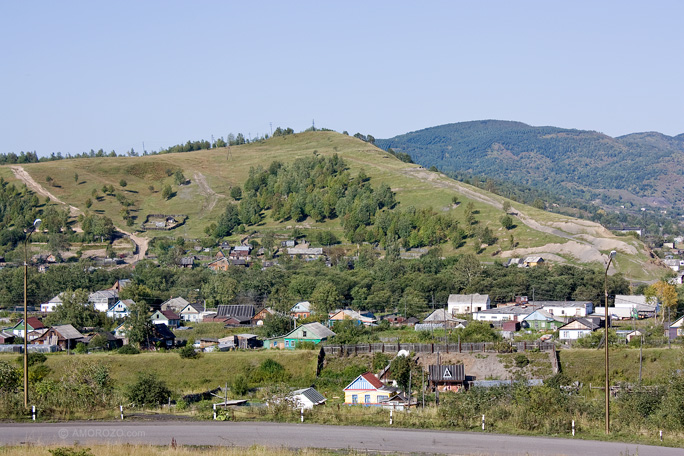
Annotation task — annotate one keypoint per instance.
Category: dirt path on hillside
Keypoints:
(205, 190)
(21, 174)
(585, 239)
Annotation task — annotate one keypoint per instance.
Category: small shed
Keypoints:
(306, 398)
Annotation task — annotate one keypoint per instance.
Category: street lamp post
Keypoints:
(605, 289)
(33, 228)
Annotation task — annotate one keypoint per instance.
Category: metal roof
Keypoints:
(468, 298)
(447, 373)
(242, 312)
(67, 331)
(311, 394)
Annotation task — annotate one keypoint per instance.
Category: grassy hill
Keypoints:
(641, 169)
(212, 173)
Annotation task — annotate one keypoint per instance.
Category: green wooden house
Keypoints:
(542, 320)
(310, 332)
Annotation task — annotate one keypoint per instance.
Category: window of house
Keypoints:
(355, 399)
(303, 333)
(366, 399)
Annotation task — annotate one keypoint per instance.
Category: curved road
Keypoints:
(245, 434)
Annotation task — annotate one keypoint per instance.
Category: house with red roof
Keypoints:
(165, 317)
(33, 324)
(368, 390)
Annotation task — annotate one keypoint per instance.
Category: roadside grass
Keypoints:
(180, 450)
(588, 366)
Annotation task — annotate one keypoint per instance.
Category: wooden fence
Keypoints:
(463, 347)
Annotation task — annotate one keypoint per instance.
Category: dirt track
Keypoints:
(21, 174)
(211, 196)
(585, 239)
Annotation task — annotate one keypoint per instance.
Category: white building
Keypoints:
(507, 313)
(458, 304)
(567, 308)
(104, 299)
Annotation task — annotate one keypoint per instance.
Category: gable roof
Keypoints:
(67, 331)
(170, 314)
(241, 312)
(192, 308)
(162, 331)
(316, 329)
(303, 306)
(541, 315)
(441, 315)
(581, 324)
(311, 394)
(33, 323)
(104, 294)
(175, 303)
(365, 381)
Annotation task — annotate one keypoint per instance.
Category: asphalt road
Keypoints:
(316, 436)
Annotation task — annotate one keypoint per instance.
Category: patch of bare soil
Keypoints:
(586, 239)
(479, 366)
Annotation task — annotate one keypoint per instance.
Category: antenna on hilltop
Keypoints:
(271, 125)
(313, 124)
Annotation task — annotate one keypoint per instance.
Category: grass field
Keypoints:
(212, 173)
(588, 366)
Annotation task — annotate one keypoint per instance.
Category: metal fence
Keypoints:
(463, 347)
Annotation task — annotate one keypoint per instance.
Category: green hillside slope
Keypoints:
(637, 169)
(136, 184)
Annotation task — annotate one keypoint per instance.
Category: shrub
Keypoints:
(188, 352)
(521, 360)
(268, 372)
(81, 348)
(128, 350)
(9, 377)
(240, 385)
(33, 358)
(66, 451)
(148, 389)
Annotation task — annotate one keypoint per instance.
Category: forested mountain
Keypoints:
(640, 169)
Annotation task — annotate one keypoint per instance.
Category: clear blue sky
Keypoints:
(76, 75)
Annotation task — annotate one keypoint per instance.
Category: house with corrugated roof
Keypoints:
(64, 336)
(577, 328)
(310, 332)
(243, 313)
(102, 300)
(175, 304)
(542, 320)
(306, 398)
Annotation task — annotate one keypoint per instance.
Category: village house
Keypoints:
(165, 317)
(533, 261)
(301, 310)
(442, 319)
(33, 324)
(104, 299)
(191, 312)
(121, 309)
(678, 327)
(310, 332)
(505, 313)
(175, 305)
(352, 315)
(120, 284)
(564, 309)
(541, 320)
(242, 313)
(367, 390)
(258, 318)
(304, 251)
(460, 304)
(52, 304)
(64, 336)
(577, 328)
(220, 264)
